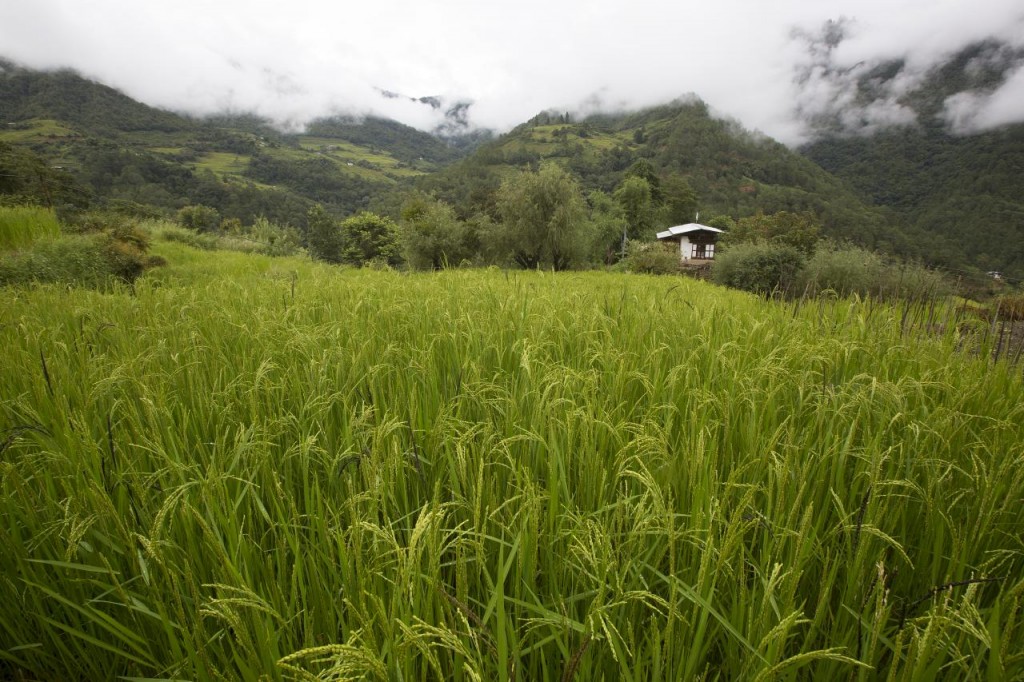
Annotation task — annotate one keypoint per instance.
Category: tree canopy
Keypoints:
(543, 216)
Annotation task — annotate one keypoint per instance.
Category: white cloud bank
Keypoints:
(299, 60)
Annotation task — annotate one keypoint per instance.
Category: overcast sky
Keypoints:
(753, 60)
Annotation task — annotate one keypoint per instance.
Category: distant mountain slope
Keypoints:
(732, 171)
(401, 141)
(67, 97)
(963, 190)
(124, 150)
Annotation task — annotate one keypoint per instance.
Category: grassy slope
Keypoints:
(62, 116)
(732, 171)
(253, 466)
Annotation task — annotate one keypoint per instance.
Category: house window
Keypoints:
(702, 251)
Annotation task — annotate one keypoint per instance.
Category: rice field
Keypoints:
(263, 469)
(21, 226)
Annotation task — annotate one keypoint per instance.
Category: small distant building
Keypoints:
(696, 241)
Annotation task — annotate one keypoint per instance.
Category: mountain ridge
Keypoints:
(245, 166)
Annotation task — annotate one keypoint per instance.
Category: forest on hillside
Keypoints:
(918, 195)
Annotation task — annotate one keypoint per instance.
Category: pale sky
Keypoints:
(294, 61)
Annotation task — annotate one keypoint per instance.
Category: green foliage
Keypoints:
(654, 258)
(316, 178)
(798, 230)
(680, 206)
(200, 218)
(205, 241)
(544, 220)
(642, 168)
(101, 248)
(252, 468)
(762, 268)
(689, 154)
(323, 236)
(21, 226)
(26, 178)
(635, 197)
(608, 228)
(263, 237)
(73, 259)
(405, 142)
(367, 238)
(433, 237)
(957, 197)
(274, 240)
(847, 270)
(66, 96)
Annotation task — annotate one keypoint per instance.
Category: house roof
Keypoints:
(677, 230)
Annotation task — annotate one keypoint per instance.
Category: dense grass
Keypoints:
(21, 226)
(257, 468)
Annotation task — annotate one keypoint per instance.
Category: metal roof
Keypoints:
(677, 230)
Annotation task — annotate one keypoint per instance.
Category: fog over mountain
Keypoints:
(782, 67)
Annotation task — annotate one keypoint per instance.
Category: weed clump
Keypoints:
(93, 250)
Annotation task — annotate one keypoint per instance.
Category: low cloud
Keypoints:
(306, 59)
(973, 111)
(860, 98)
(849, 81)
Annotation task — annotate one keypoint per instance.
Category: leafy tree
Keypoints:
(608, 225)
(199, 218)
(323, 238)
(634, 196)
(543, 218)
(25, 176)
(798, 230)
(433, 236)
(680, 200)
(367, 237)
(642, 168)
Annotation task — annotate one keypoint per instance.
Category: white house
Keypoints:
(696, 241)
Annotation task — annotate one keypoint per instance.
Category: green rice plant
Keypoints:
(21, 226)
(74, 259)
(172, 233)
(265, 468)
(1009, 307)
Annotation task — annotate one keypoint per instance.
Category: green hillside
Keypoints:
(732, 171)
(81, 104)
(124, 151)
(915, 192)
(968, 192)
(963, 193)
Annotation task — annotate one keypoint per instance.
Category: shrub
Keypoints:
(200, 218)
(760, 268)
(368, 236)
(845, 270)
(848, 270)
(275, 240)
(652, 258)
(97, 247)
